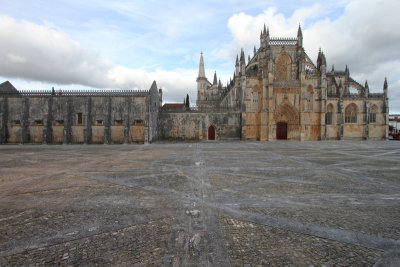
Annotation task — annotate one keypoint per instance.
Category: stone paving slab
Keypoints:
(201, 204)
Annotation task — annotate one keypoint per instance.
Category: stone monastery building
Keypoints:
(278, 94)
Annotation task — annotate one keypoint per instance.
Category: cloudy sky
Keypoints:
(125, 44)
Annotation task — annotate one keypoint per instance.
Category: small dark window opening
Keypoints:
(79, 115)
(38, 122)
(17, 122)
(118, 122)
(372, 117)
(99, 122)
(59, 122)
(138, 122)
(329, 118)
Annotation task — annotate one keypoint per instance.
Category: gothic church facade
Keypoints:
(282, 94)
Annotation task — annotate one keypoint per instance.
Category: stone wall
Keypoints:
(192, 125)
(69, 119)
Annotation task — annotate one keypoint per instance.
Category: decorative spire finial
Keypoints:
(299, 32)
(202, 73)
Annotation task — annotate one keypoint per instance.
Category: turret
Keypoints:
(264, 37)
(215, 78)
(366, 92)
(299, 37)
(347, 72)
(201, 79)
(385, 88)
(321, 61)
(242, 63)
(201, 67)
(237, 67)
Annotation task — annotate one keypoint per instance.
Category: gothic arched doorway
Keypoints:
(211, 132)
(281, 131)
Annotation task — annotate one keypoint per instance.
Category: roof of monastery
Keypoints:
(7, 87)
(173, 106)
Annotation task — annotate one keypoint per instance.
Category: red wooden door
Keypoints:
(211, 133)
(281, 131)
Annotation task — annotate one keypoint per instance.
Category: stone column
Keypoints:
(107, 122)
(366, 119)
(47, 126)
(341, 118)
(87, 131)
(146, 123)
(127, 125)
(3, 120)
(25, 121)
(67, 132)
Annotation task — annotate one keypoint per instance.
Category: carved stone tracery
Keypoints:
(286, 113)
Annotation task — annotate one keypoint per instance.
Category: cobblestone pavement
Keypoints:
(201, 204)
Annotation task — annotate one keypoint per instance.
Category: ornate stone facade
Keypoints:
(280, 90)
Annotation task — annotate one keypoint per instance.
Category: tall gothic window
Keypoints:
(283, 67)
(350, 113)
(372, 114)
(329, 114)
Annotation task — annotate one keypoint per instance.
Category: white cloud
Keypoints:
(364, 36)
(41, 53)
(47, 55)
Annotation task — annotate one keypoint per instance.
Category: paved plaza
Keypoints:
(322, 203)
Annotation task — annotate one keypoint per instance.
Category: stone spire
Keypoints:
(215, 78)
(385, 88)
(321, 60)
(366, 92)
(237, 65)
(385, 84)
(242, 63)
(202, 73)
(299, 37)
(265, 31)
(242, 59)
(255, 50)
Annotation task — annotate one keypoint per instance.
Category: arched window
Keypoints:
(350, 113)
(283, 67)
(372, 114)
(329, 114)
